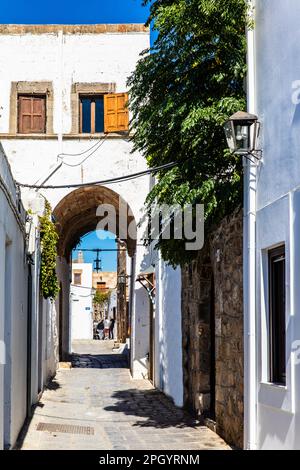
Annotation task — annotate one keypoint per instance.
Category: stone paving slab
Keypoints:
(124, 414)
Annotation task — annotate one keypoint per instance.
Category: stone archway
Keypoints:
(75, 215)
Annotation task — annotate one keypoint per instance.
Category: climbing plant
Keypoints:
(49, 239)
(182, 91)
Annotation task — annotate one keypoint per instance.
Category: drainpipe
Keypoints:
(60, 91)
(250, 346)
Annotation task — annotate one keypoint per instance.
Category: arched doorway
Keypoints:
(76, 214)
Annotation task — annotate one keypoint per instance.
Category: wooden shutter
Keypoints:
(32, 114)
(116, 112)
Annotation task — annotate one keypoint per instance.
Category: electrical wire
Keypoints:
(94, 250)
(83, 152)
(92, 289)
(79, 295)
(82, 287)
(61, 156)
(73, 165)
(107, 181)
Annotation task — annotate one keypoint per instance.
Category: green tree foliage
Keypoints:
(180, 96)
(101, 298)
(49, 238)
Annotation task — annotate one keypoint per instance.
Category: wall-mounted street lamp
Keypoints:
(122, 278)
(242, 131)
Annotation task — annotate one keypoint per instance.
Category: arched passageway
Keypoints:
(76, 214)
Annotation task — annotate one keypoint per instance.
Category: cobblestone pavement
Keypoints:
(96, 405)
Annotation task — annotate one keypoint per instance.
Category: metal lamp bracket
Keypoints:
(150, 288)
(256, 154)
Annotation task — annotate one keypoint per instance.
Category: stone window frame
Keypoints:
(85, 88)
(77, 272)
(31, 88)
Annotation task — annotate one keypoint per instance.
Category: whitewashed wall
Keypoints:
(63, 270)
(275, 99)
(140, 318)
(81, 303)
(44, 316)
(64, 60)
(168, 373)
(67, 59)
(168, 332)
(13, 310)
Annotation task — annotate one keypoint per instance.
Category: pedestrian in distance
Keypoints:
(111, 328)
(100, 329)
(106, 327)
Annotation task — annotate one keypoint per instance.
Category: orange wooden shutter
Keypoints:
(116, 112)
(32, 115)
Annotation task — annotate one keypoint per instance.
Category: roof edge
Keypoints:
(19, 29)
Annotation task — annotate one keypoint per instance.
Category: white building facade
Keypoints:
(22, 360)
(272, 231)
(81, 301)
(60, 68)
(168, 332)
(54, 110)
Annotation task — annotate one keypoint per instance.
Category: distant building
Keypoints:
(104, 280)
(81, 300)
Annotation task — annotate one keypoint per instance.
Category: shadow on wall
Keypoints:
(170, 337)
(154, 409)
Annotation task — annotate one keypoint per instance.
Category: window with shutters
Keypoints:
(116, 112)
(103, 113)
(32, 114)
(91, 114)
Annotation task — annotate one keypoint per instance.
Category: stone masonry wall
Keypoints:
(212, 312)
(196, 289)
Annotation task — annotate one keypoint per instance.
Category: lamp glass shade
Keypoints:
(122, 279)
(241, 133)
(230, 135)
(238, 137)
(242, 137)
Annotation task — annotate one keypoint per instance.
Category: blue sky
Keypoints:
(91, 241)
(72, 11)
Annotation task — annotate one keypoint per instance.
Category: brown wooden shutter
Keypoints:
(32, 114)
(116, 113)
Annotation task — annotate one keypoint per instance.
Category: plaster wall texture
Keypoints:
(168, 325)
(276, 94)
(81, 302)
(13, 316)
(65, 59)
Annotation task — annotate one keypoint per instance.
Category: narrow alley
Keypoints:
(96, 405)
(149, 230)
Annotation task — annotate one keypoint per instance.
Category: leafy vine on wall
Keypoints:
(49, 239)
